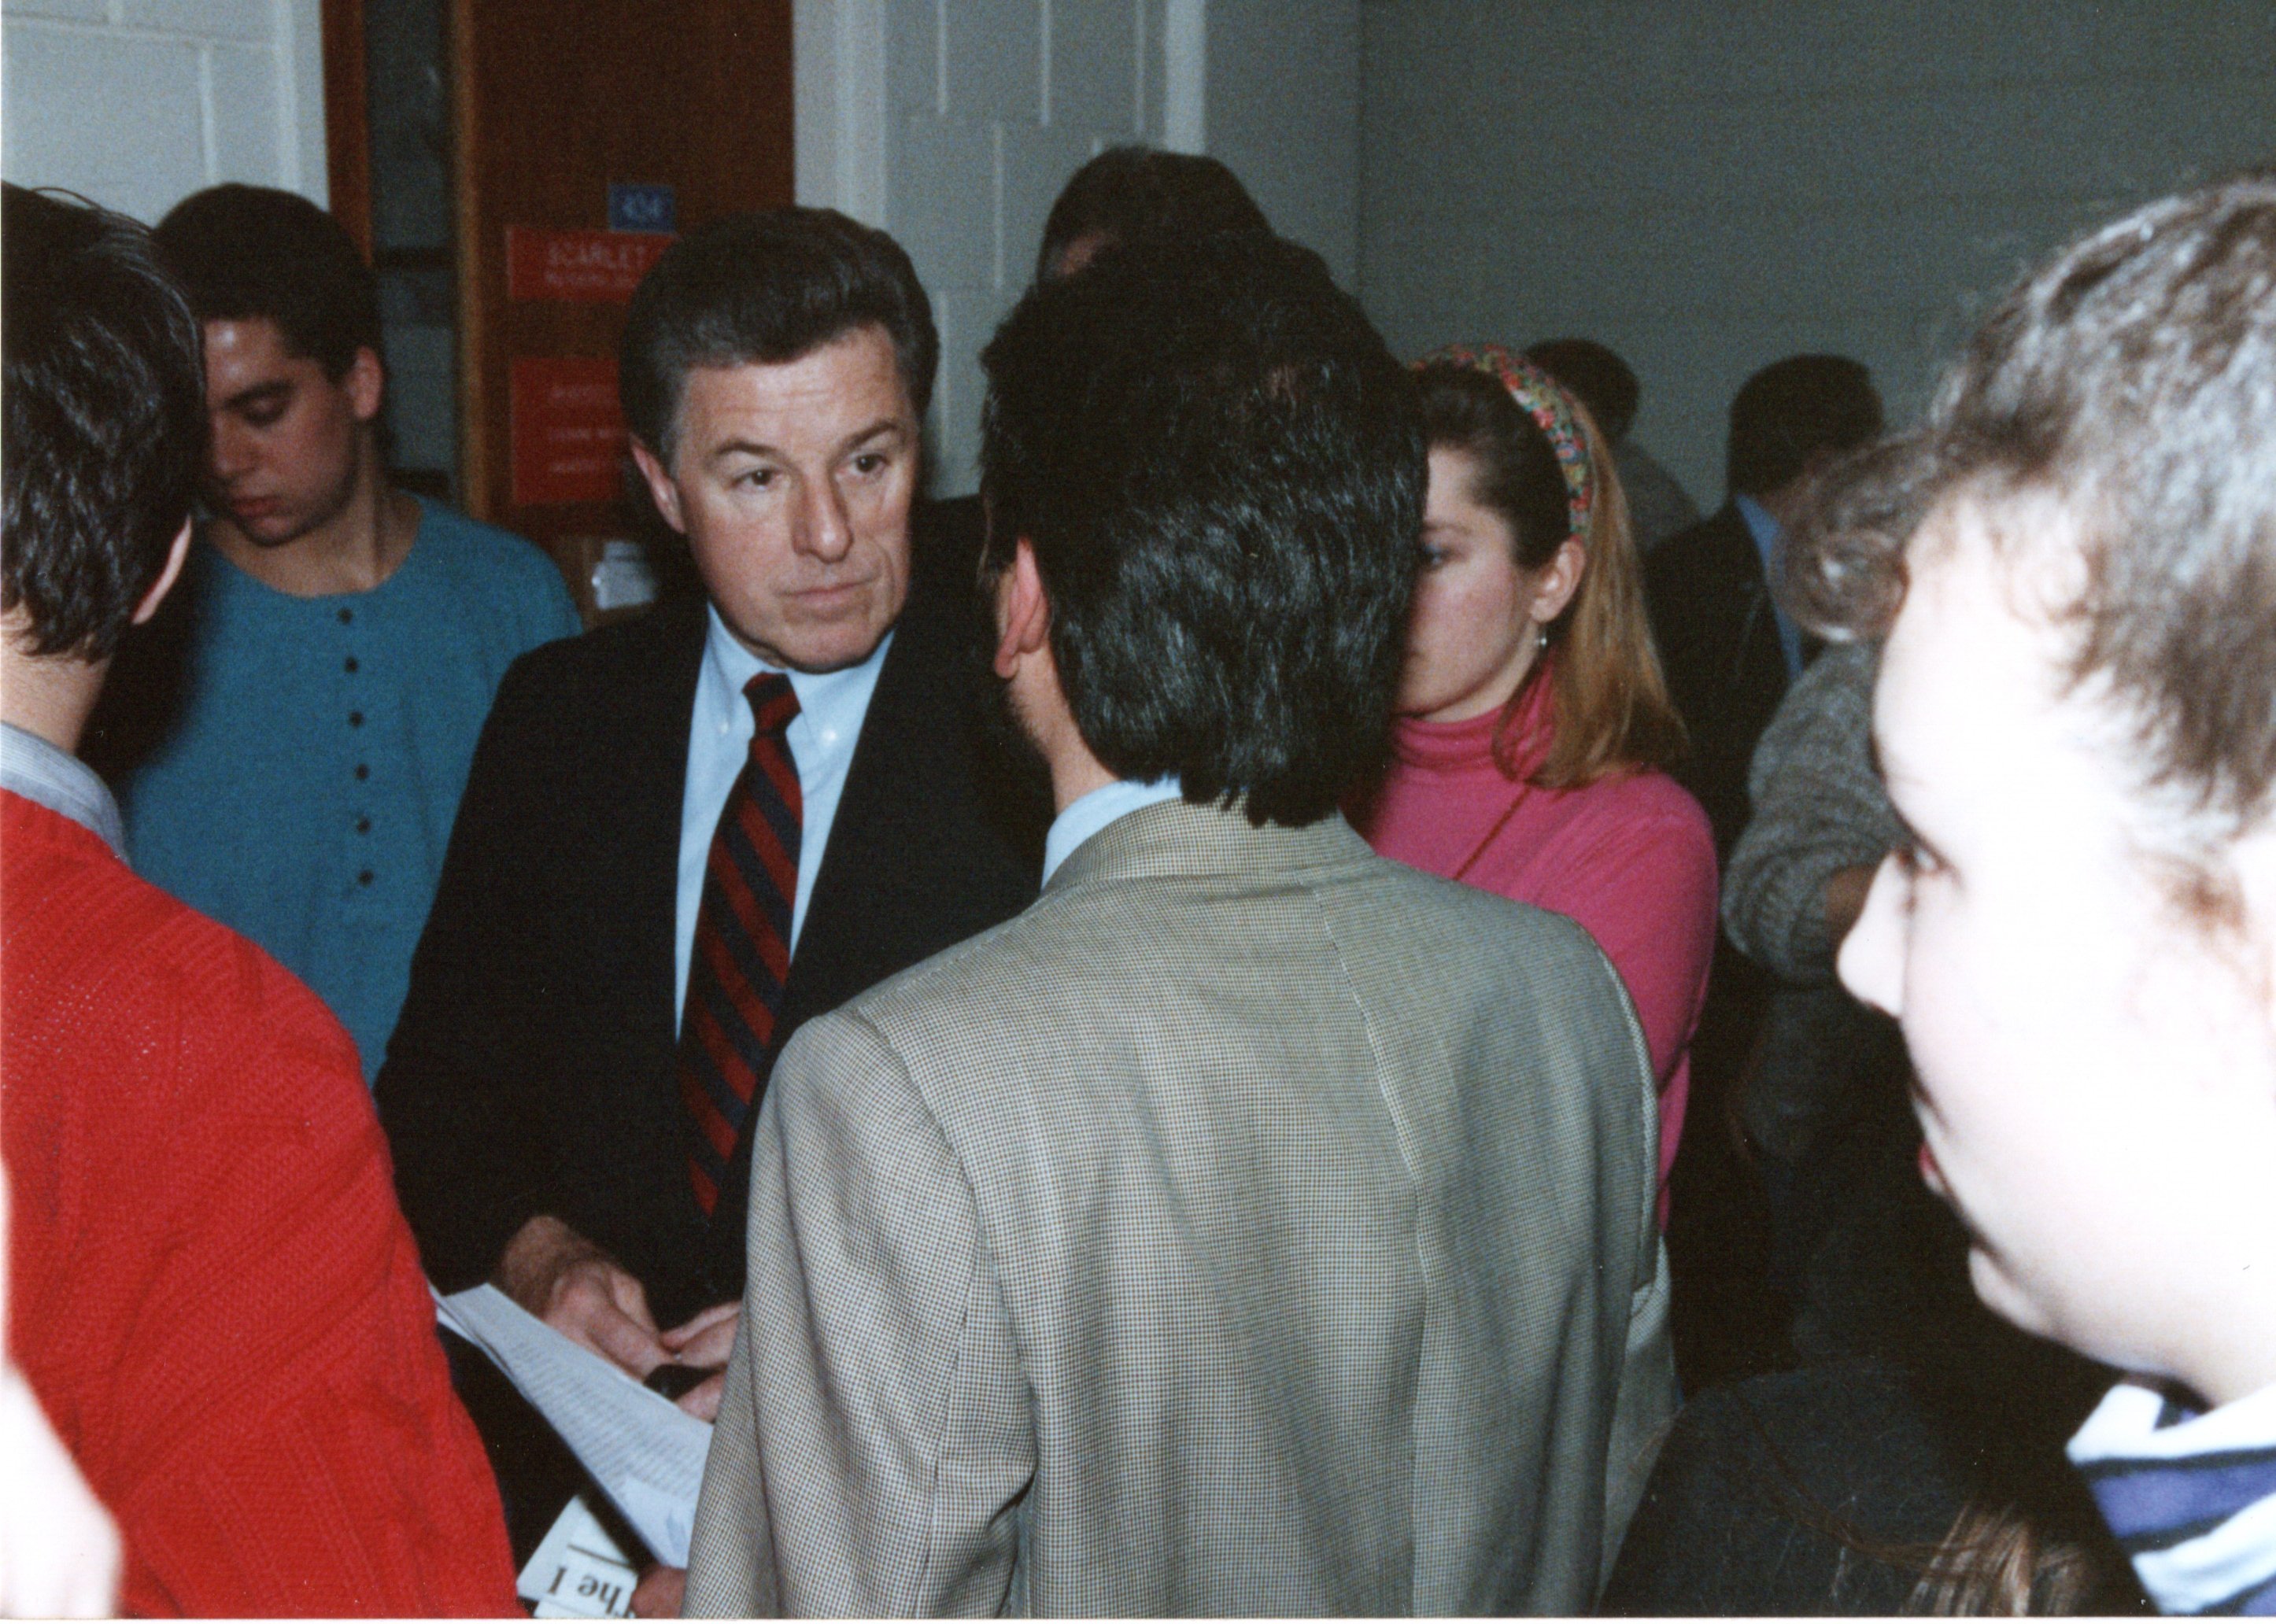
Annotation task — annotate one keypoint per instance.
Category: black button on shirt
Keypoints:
(363, 770)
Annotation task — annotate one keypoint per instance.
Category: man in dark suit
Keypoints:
(748, 809)
(1727, 647)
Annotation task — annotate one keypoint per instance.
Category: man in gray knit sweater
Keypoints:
(1819, 1094)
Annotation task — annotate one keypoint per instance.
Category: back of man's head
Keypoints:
(763, 287)
(1220, 470)
(255, 254)
(1606, 384)
(1792, 413)
(105, 419)
(1128, 194)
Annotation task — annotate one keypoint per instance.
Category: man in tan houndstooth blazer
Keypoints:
(1253, 1226)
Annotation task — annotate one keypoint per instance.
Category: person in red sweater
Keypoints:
(212, 1294)
(1533, 722)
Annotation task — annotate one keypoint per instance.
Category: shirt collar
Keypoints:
(1104, 805)
(33, 768)
(829, 703)
(1765, 530)
(1761, 526)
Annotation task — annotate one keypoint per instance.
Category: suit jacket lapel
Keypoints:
(824, 970)
(654, 776)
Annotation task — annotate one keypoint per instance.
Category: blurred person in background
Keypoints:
(1822, 1101)
(1728, 646)
(1729, 651)
(1126, 194)
(1658, 506)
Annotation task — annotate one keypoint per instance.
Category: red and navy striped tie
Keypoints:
(742, 942)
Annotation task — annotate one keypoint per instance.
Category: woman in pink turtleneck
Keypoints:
(1533, 722)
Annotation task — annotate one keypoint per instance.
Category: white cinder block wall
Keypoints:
(136, 103)
(989, 105)
(954, 123)
(1709, 187)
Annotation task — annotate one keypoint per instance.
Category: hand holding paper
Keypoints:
(645, 1452)
(553, 1272)
(704, 1343)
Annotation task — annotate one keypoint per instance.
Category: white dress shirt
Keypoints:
(1764, 529)
(822, 737)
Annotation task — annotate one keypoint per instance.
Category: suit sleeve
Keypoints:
(876, 1439)
(1644, 1400)
(461, 1112)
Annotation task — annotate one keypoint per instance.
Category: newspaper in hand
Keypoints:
(644, 1450)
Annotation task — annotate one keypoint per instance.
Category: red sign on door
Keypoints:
(584, 268)
(568, 429)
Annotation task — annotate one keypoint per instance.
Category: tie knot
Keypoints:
(774, 702)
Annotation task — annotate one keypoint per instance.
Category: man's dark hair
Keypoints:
(767, 286)
(2132, 378)
(105, 419)
(253, 253)
(1220, 470)
(1606, 384)
(1791, 411)
(1127, 195)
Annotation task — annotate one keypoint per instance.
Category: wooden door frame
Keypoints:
(347, 118)
(466, 233)
(842, 111)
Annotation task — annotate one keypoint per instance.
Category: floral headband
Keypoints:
(1545, 401)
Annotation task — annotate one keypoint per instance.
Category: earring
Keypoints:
(1540, 640)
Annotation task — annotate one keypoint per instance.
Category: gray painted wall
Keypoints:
(1707, 187)
(1283, 112)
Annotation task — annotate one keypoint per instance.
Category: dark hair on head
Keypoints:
(1127, 195)
(1611, 712)
(767, 286)
(253, 252)
(2131, 378)
(1792, 410)
(1220, 470)
(1605, 383)
(105, 419)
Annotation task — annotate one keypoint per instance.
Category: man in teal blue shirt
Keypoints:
(339, 640)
